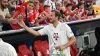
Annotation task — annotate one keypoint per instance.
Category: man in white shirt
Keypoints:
(6, 49)
(59, 34)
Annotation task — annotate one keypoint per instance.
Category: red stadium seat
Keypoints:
(73, 50)
(37, 46)
(45, 48)
(24, 51)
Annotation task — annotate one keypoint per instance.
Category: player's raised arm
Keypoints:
(22, 24)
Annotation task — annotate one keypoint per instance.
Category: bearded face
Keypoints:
(4, 4)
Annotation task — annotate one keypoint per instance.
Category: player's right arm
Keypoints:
(22, 24)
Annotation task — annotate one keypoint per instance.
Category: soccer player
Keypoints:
(7, 49)
(59, 34)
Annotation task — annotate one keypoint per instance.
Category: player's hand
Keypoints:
(60, 47)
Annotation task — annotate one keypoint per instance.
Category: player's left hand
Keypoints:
(60, 47)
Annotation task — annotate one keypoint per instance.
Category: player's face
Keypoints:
(4, 3)
(30, 6)
(52, 17)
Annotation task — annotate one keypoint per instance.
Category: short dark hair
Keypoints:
(57, 13)
(46, 6)
(69, 5)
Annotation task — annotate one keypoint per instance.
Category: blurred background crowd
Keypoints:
(36, 12)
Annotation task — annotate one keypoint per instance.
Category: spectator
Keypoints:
(3, 9)
(41, 4)
(60, 8)
(21, 11)
(91, 13)
(6, 49)
(81, 12)
(5, 16)
(43, 18)
(64, 3)
(69, 13)
(51, 3)
(36, 10)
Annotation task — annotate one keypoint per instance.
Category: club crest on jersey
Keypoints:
(56, 36)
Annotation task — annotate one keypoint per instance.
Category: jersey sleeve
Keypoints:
(68, 31)
(11, 50)
(43, 31)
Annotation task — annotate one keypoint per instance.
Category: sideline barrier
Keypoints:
(19, 30)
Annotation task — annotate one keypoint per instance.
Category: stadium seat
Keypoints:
(37, 46)
(45, 48)
(23, 50)
(73, 50)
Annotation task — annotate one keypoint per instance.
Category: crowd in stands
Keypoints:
(37, 12)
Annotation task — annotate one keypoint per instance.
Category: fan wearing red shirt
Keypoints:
(81, 12)
(36, 4)
(20, 12)
(36, 9)
(40, 5)
(43, 18)
(69, 13)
